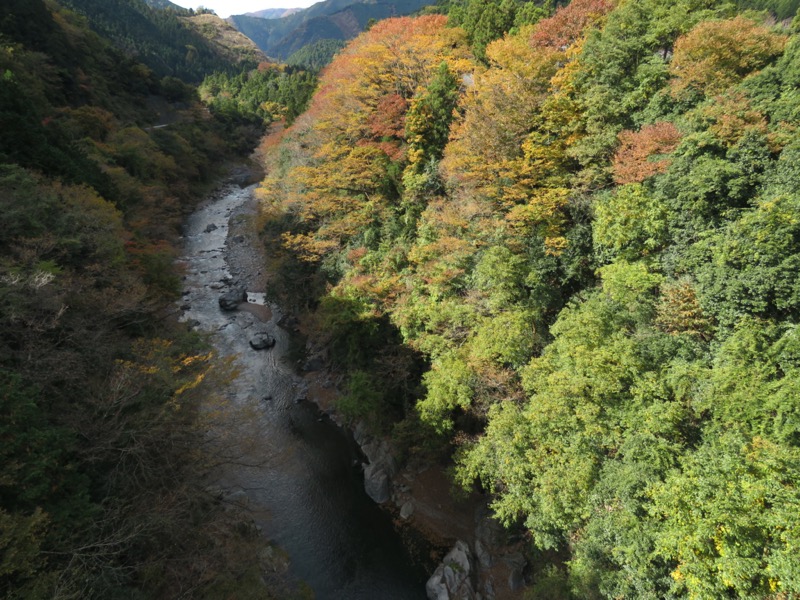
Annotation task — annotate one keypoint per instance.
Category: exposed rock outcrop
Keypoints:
(381, 465)
(376, 483)
(452, 579)
(487, 563)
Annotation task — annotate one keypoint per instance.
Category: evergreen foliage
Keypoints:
(315, 56)
(260, 96)
(156, 37)
(485, 22)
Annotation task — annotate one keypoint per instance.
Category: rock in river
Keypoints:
(262, 341)
(232, 299)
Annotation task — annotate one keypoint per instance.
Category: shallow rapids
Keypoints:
(300, 477)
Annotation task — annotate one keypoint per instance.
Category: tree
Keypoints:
(429, 117)
(629, 223)
(568, 23)
(736, 534)
(546, 455)
(717, 54)
(484, 22)
(751, 264)
(634, 162)
(362, 121)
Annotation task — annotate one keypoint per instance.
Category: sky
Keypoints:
(226, 8)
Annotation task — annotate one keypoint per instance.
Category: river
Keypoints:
(299, 475)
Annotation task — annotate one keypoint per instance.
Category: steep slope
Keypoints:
(227, 41)
(102, 467)
(158, 38)
(578, 263)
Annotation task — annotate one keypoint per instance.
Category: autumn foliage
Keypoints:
(637, 156)
(717, 54)
(587, 239)
(568, 23)
(357, 127)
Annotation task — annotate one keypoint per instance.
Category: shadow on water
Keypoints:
(302, 479)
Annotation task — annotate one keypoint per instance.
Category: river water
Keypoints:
(297, 471)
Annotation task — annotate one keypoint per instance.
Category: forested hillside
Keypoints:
(262, 95)
(103, 452)
(569, 257)
(157, 37)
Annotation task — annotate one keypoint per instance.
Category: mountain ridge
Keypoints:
(165, 4)
(273, 13)
(328, 20)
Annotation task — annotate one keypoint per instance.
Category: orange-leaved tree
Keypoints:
(718, 54)
(634, 161)
(355, 131)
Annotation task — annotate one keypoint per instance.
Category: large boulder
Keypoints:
(376, 483)
(379, 452)
(452, 578)
(262, 341)
(231, 299)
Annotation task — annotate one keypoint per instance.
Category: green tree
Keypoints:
(629, 223)
(483, 21)
(429, 116)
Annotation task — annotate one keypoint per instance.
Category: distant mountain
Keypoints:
(273, 13)
(328, 20)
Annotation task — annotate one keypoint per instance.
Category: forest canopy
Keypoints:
(579, 235)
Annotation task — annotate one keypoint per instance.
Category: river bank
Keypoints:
(292, 469)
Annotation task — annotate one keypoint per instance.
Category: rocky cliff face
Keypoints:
(482, 560)
(489, 567)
